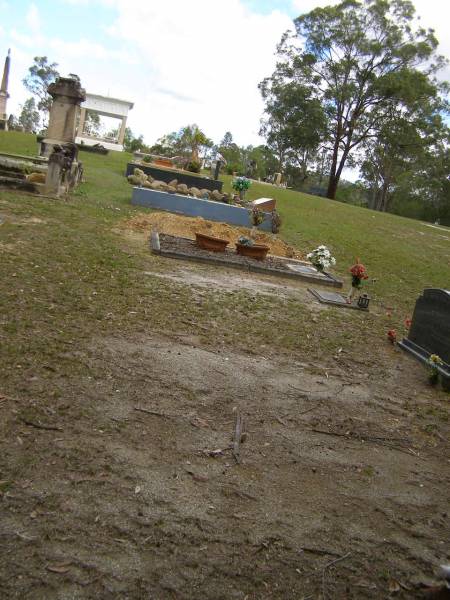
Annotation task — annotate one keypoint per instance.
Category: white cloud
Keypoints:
(33, 19)
(200, 63)
(178, 62)
(304, 6)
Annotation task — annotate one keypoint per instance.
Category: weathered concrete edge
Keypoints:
(249, 268)
(408, 347)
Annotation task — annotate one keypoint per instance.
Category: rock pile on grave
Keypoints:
(140, 179)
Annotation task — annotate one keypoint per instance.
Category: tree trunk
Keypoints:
(332, 181)
(335, 174)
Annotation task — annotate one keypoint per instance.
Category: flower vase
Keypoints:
(351, 294)
(254, 232)
(241, 194)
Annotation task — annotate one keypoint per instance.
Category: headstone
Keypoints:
(430, 328)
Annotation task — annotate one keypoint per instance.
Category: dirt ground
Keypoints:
(123, 483)
(187, 227)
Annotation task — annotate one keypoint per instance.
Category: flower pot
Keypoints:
(207, 242)
(258, 252)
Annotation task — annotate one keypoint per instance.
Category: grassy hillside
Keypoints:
(403, 255)
(122, 374)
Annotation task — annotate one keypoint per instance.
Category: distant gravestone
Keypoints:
(430, 329)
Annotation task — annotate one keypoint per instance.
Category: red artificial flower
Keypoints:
(408, 322)
(392, 336)
(358, 270)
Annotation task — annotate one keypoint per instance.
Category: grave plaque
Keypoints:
(334, 298)
(430, 328)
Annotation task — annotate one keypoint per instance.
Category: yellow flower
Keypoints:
(436, 360)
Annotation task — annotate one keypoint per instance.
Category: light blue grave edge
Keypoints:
(196, 207)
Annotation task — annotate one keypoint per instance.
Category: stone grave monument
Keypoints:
(67, 95)
(64, 170)
(430, 330)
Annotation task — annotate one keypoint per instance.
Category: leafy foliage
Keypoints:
(29, 117)
(360, 61)
(40, 75)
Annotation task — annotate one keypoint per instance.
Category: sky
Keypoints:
(179, 62)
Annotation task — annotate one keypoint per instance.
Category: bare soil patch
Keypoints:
(187, 227)
(124, 484)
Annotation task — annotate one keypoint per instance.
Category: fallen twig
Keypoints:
(152, 412)
(237, 437)
(320, 552)
(40, 426)
(333, 562)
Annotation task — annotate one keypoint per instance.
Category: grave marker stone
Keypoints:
(430, 329)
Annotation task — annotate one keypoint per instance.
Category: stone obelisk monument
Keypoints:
(4, 92)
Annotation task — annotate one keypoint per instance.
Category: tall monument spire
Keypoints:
(5, 77)
(4, 92)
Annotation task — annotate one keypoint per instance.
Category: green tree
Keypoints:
(295, 122)
(409, 145)
(358, 59)
(194, 140)
(132, 143)
(227, 140)
(188, 142)
(29, 117)
(40, 75)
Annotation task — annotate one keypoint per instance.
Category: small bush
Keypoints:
(193, 166)
(147, 158)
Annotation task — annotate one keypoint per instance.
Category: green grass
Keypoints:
(403, 255)
(69, 277)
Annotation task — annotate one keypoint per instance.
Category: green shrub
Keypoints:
(193, 166)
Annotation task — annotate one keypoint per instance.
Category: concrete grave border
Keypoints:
(196, 207)
(250, 265)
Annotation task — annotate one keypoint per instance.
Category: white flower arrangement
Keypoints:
(321, 258)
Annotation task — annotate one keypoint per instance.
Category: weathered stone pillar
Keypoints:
(122, 131)
(81, 121)
(67, 95)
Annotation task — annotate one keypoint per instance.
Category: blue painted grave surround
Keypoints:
(196, 207)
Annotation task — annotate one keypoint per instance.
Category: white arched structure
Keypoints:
(108, 107)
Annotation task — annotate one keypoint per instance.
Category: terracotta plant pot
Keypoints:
(207, 242)
(259, 252)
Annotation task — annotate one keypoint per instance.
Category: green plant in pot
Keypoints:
(241, 185)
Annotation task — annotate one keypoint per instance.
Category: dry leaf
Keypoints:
(137, 489)
(393, 586)
(59, 568)
(198, 477)
(199, 422)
